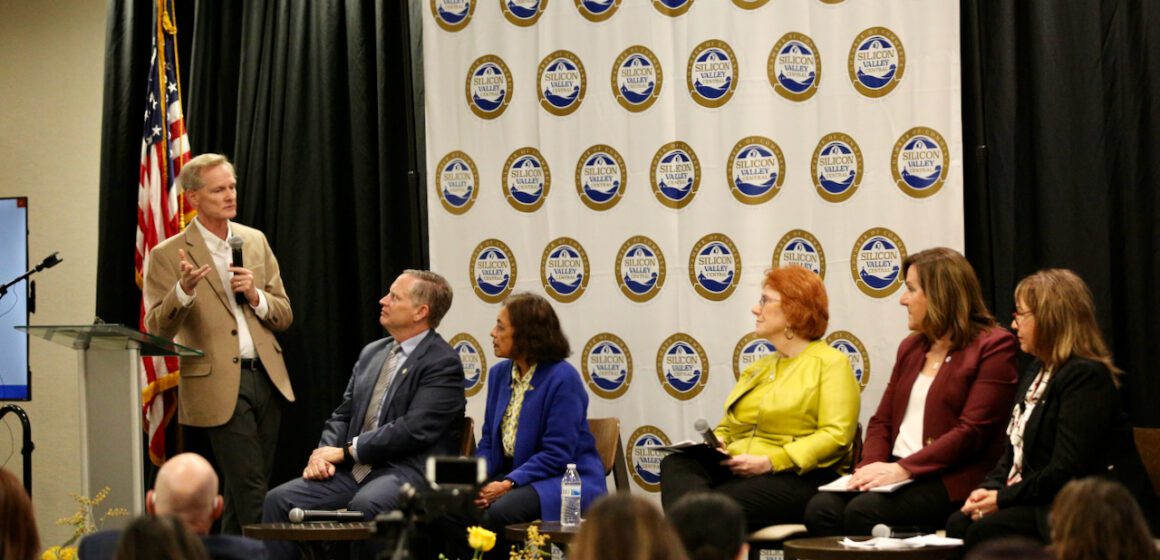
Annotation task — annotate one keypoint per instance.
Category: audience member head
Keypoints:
(431, 290)
(160, 538)
(1056, 319)
(626, 527)
(1009, 548)
(1097, 519)
(527, 329)
(711, 525)
(19, 539)
(186, 488)
(793, 305)
(190, 175)
(943, 297)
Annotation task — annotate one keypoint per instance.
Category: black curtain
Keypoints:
(311, 101)
(1067, 104)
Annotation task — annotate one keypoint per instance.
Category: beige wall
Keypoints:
(51, 75)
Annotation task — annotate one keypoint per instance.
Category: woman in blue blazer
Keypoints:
(536, 420)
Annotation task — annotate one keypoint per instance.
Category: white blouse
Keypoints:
(910, 432)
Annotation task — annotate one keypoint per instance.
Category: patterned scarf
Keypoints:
(1018, 424)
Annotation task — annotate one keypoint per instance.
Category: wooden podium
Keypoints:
(109, 397)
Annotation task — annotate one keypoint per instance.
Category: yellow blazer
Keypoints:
(808, 417)
(209, 384)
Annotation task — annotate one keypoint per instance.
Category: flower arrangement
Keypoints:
(84, 521)
(535, 546)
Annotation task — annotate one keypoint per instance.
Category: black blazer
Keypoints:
(422, 415)
(1078, 429)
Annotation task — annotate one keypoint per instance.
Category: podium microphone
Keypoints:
(236, 248)
(299, 515)
(707, 434)
(886, 531)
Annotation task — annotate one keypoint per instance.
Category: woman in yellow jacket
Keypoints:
(789, 423)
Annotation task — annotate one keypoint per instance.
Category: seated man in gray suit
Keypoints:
(404, 402)
(186, 488)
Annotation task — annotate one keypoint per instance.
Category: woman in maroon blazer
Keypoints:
(940, 422)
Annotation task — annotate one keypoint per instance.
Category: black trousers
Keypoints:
(768, 499)
(1024, 521)
(244, 449)
(921, 505)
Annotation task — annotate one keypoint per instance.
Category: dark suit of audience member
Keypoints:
(535, 423)
(102, 545)
(186, 488)
(940, 420)
(1067, 421)
(404, 402)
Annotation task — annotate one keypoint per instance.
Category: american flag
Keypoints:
(161, 211)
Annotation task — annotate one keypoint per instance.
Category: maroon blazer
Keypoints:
(967, 410)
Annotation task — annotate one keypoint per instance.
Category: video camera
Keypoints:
(454, 483)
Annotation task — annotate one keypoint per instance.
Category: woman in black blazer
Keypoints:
(1067, 421)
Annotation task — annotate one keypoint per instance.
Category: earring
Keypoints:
(788, 333)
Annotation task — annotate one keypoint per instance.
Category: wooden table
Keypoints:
(830, 548)
(560, 536)
(313, 537)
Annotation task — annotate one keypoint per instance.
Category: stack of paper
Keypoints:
(884, 543)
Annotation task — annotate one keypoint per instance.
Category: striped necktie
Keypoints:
(375, 405)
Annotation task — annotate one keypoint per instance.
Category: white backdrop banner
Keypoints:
(643, 162)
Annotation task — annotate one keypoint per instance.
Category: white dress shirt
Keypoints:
(222, 255)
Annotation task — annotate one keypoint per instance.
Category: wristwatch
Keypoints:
(346, 456)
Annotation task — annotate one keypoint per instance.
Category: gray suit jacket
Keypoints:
(422, 414)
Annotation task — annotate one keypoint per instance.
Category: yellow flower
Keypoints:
(59, 553)
(479, 538)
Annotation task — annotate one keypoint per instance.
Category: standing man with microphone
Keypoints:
(216, 287)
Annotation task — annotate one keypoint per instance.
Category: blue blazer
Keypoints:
(553, 432)
(422, 415)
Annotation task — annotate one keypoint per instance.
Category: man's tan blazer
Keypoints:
(209, 384)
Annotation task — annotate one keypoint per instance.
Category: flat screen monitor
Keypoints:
(15, 384)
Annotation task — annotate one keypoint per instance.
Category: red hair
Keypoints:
(803, 299)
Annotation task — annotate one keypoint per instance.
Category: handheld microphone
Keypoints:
(236, 247)
(707, 434)
(299, 515)
(886, 531)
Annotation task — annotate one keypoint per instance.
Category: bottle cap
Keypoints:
(571, 465)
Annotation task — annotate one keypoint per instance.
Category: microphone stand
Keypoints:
(27, 445)
(48, 262)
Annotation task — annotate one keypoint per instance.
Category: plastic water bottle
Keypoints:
(570, 497)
